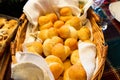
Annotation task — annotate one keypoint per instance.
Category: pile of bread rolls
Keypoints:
(59, 35)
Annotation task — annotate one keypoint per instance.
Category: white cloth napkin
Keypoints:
(23, 57)
(87, 54)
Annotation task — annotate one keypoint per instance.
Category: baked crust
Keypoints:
(7, 31)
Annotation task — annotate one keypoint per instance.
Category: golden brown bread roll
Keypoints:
(43, 34)
(59, 51)
(75, 72)
(43, 20)
(52, 32)
(74, 58)
(84, 33)
(47, 47)
(65, 11)
(64, 31)
(72, 43)
(75, 22)
(34, 47)
(55, 64)
(52, 58)
(65, 18)
(56, 69)
(52, 17)
(46, 26)
(58, 24)
(56, 40)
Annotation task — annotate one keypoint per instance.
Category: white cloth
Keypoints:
(87, 54)
(22, 57)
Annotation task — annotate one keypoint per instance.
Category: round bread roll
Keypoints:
(74, 58)
(66, 64)
(52, 32)
(56, 39)
(46, 26)
(64, 31)
(59, 51)
(58, 24)
(52, 58)
(72, 43)
(47, 47)
(65, 11)
(52, 17)
(75, 72)
(75, 22)
(84, 33)
(43, 34)
(65, 18)
(56, 69)
(43, 20)
(34, 47)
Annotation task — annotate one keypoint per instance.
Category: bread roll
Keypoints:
(34, 47)
(72, 43)
(43, 34)
(59, 51)
(84, 33)
(43, 20)
(65, 18)
(52, 17)
(46, 26)
(56, 69)
(75, 72)
(64, 31)
(52, 58)
(56, 39)
(65, 11)
(75, 22)
(74, 58)
(52, 32)
(47, 47)
(55, 64)
(58, 24)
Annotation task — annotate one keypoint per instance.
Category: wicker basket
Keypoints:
(97, 35)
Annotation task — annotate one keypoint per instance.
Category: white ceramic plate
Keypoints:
(115, 10)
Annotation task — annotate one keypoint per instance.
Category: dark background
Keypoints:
(12, 7)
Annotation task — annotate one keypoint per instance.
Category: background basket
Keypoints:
(97, 36)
